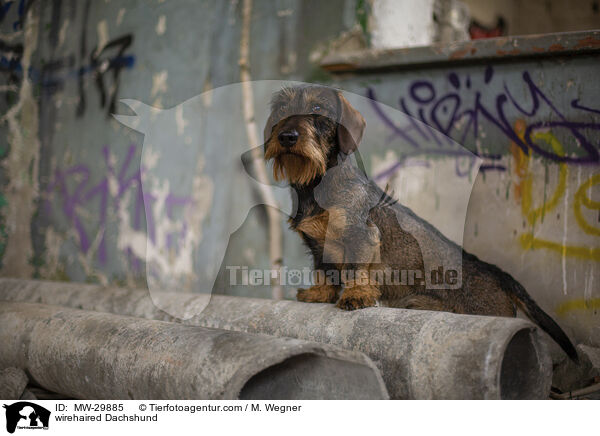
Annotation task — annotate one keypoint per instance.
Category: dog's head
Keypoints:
(307, 129)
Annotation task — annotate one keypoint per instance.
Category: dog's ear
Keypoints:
(351, 126)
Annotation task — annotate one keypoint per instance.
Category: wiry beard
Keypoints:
(297, 169)
(307, 161)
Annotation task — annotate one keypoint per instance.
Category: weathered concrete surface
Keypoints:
(29, 395)
(12, 383)
(91, 355)
(568, 376)
(421, 354)
(399, 24)
(492, 49)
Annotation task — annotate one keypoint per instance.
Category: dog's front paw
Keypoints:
(317, 294)
(356, 303)
(358, 298)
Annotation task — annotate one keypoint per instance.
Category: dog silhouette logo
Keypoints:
(26, 415)
(199, 181)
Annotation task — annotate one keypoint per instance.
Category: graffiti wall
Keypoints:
(534, 208)
(72, 205)
(72, 200)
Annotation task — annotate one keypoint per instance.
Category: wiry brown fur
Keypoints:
(352, 213)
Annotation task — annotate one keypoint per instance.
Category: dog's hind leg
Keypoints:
(419, 302)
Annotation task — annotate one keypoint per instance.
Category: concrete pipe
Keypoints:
(92, 355)
(421, 354)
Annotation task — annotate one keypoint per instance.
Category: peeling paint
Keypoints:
(102, 32)
(21, 164)
(164, 267)
(62, 34)
(52, 260)
(459, 54)
(159, 82)
(120, 16)
(564, 239)
(180, 121)
(508, 52)
(285, 12)
(161, 25)
(589, 42)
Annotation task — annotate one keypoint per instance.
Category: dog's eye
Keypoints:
(316, 109)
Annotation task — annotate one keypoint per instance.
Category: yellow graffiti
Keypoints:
(578, 304)
(580, 198)
(523, 191)
(528, 242)
(531, 214)
(520, 158)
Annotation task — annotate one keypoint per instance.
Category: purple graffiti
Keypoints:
(402, 163)
(446, 146)
(76, 194)
(451, 118)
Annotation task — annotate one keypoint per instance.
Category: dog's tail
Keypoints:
(534, 312)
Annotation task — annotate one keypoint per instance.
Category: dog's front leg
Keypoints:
(361, 248)
(319, 294)
(325, 291)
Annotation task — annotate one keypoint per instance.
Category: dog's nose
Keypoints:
(288, 138)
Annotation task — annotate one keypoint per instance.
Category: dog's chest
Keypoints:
(313, 227)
